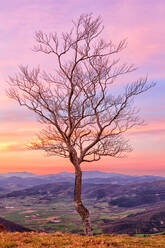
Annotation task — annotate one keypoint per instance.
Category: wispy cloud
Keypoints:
(154, 128)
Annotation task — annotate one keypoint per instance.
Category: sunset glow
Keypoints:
(142, 23)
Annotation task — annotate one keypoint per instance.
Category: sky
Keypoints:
(141, 22)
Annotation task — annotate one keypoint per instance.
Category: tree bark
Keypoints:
(80, 208)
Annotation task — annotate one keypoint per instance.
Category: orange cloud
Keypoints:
(11, 147)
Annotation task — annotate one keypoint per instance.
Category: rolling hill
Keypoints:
(126, 196)
(23, 180)
(148, 222)
(13, 227)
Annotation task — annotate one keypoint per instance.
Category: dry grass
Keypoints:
(59, 240)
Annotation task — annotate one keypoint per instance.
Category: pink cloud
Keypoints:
(154, 128)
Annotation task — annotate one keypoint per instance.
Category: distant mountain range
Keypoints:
(86, 175)
(21, 180)
(23, 174)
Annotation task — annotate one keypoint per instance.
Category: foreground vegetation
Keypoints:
(59, 240)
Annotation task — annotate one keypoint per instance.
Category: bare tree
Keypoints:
(83, 120)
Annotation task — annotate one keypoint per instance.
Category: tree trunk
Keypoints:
(82, 211)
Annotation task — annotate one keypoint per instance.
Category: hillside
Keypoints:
(13, 227)
(124, 196)
(147, 222)
(58, 240)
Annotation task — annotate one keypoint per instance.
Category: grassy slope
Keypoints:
(59, 240)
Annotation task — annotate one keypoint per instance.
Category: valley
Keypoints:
(49, 207)
(58, 214)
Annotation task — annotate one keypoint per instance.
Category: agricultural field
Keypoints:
(58, 214)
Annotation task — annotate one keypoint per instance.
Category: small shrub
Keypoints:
(2, 228)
